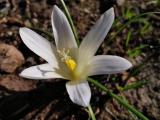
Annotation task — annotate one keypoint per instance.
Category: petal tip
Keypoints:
(79, 93)
(22, 74)
(110, 12)
(22, 30)
(129, 64)
(55, 9)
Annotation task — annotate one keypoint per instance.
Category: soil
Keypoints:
(23, 99)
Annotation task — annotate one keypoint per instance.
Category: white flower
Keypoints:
(67, 60)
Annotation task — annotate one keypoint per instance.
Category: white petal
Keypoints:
(38, 45)
(44, 71)
(62, 31)
(108, 64)
(96, 35)
(79, 93)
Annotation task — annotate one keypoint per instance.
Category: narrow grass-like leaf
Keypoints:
(136, 51)
(133, 115)
(134, 85)
(128, 38)
(119, 99)
(128, 13)
(131, 20)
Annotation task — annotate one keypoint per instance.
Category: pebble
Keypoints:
(10, 58)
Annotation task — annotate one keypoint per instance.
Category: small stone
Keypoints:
(15, 83)
(10, 58)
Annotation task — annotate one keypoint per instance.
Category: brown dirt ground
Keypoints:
(22, 99)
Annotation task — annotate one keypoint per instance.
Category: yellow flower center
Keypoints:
(71, 64)
(64, 54)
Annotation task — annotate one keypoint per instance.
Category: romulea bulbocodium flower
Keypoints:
(75, 72)
(68, 61)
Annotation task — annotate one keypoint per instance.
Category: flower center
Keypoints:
(67, 59)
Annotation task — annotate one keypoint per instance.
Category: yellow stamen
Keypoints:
(71, 64)
(64, 54)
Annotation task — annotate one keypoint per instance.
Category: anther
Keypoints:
(64, 55)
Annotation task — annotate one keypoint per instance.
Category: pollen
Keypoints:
(71, 64)
(67, 59)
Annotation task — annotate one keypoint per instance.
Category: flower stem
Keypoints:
(70, 20)
(119, 99)
(91, 112)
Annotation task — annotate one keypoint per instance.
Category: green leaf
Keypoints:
(134, 85)
(128, 38)
(119, 99)
(131, 20)
(136, 51)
